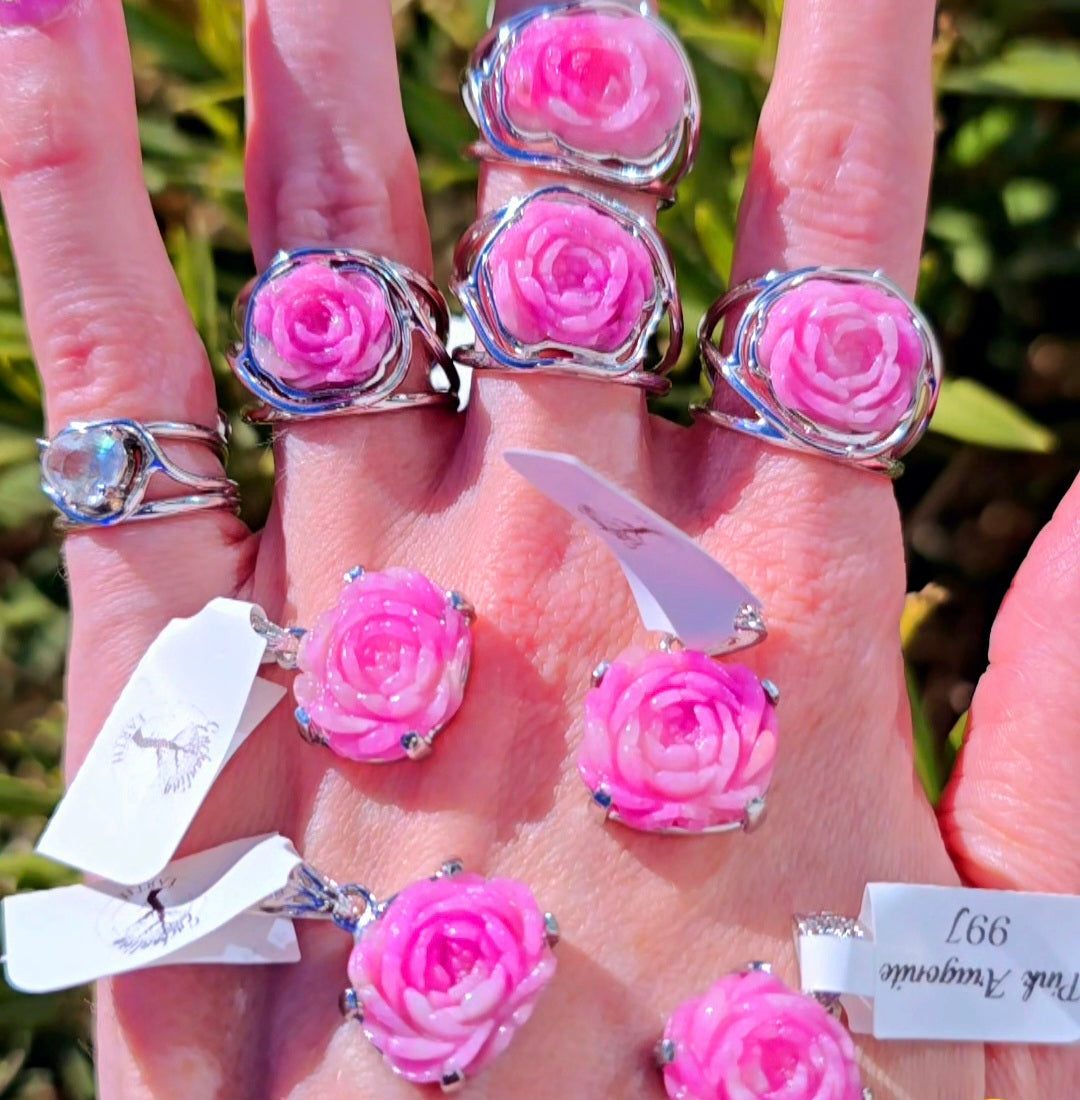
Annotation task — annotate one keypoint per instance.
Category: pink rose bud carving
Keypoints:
(319, 327)
(447, 975)
(384, 670)
(599, 83)
(678, 741)
(752, 1038)
(845, 355)
(569, 274)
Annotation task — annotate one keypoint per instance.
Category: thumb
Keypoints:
(1010, 816)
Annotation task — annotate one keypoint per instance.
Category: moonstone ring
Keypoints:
(590, 88)
(329, 332)
(97, 472)
(832, 361)
(564, 281)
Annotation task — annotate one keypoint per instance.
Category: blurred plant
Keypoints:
(1001, 275)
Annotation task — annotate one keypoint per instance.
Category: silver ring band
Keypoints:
(97, 473)
(866, 413)
(532, 324)
(535, 112)
(329, 332)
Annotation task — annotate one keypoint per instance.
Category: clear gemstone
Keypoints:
(90, 469)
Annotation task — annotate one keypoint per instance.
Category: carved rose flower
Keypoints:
(678, 740)
(450, 972)
(599, 83)
(572, 275)
(751, 1036)
(390, 658)
(844, 355)
(317, 327)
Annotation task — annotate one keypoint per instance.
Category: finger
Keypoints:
(1010, 814)
(841, 164)
(107, 321)
(603, 422)
(329, 163)
(839, 176)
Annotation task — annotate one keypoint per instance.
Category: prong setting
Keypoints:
(665, 1052)
(754, 814)
(552, 932)
(349, 1003)
(772, 692)
(598, 673)
(416, 746)
(452, 1081)
(462, 606)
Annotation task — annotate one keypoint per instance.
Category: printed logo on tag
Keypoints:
(679, 589)
(159, 923)
(169, 749)
(201, 909)
(189, 706)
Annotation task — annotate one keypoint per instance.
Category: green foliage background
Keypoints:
(1001, 278)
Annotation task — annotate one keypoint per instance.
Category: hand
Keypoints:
(839, 176)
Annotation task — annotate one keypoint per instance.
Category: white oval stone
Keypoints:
(90, 468)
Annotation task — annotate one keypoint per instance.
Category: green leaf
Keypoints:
(1034, 67)
(971, 413)
(955, 741)
(929, 764)
(716, 237)
(22, 798)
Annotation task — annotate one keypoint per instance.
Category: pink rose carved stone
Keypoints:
(598, 83)
(677, 740)
(569, 274)
(318, 327)
(752, 1038)
(388, 661)
(845, 355)
(449, 973)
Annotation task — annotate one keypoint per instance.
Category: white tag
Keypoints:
(953, 964)
(195, 911)
(679, 589)
(191, 703)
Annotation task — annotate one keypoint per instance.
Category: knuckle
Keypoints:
(849, 177)
(40, 131)
(331, 199)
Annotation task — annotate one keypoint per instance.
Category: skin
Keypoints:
(840, 175)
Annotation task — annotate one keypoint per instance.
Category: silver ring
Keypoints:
(615, 330)
(97, 472)
(865, 414)
(329, 332)
(525, 120)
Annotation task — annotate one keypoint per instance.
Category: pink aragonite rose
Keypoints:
(845, 355)
(604, 84)
(450, 972)
(317, 327)
(752, 1038)
(570, 274)
(678, 741)
(388, 660)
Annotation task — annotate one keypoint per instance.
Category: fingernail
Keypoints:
(30, 13)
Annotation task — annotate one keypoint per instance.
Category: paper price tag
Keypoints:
(191, 703)
(195, 911)
(679, 589)
(954, 964)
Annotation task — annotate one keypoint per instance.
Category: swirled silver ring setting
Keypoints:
(97, 472)
(330, 332)
(835, 362)
(593, 89)
(566, 282)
